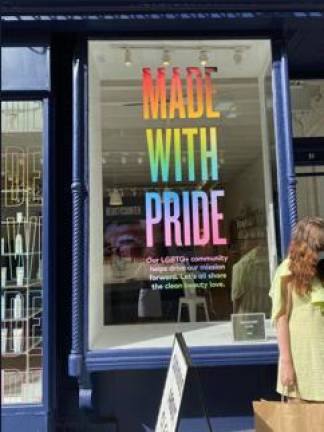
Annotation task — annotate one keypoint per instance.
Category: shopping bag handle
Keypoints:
(285, 393)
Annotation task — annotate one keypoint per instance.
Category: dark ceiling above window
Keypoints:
(299, 23)
(101, 6)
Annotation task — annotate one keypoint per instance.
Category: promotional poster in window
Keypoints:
(173, 248)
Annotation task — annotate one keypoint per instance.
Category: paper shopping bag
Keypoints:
(288, 417)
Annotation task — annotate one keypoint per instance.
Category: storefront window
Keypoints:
(307, 97)
(181, 211)
(21, 252)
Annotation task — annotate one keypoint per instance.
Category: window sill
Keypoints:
(220, 350)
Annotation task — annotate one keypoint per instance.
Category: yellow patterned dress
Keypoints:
(306, 328)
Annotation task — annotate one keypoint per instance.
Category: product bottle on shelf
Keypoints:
(3, 307)
(18, 307)
(2, 246)
(18, 340)
(4, 334)
(5, 265)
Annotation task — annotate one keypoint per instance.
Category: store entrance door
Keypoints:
(310, 190)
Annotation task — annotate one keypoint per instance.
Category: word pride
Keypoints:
(182, 154)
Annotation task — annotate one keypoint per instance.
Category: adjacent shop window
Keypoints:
(307, 97)
(181, 223)
(21, 252)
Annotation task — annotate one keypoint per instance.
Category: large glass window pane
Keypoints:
(181, 202)
(21, 252)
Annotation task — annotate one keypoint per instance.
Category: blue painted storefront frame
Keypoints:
(82, 361)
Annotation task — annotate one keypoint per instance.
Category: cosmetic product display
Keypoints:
(18, 244)
(21, 269)
(3, 277)
(18, 340)
(20, 275)
(3, 307)
(19, 217)
(18, 307)
(40, 270)
(4, 334)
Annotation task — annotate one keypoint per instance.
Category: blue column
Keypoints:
(78, 196)
(284, 151)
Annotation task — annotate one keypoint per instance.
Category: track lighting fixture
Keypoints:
(128, 57)
(166, 57)
(203, 58)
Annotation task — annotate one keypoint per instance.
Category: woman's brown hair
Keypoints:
(306, 243)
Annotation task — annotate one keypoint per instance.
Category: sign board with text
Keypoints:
(248, 327)
(174, 386)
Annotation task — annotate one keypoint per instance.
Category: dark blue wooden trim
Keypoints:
(37, 409)
(203, 356)
(111, 359)
(24, 95)
(79, 18)
(48, 260)
(78, 195)
(284, 150)
(38, 7)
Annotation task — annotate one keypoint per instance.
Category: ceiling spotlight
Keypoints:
(140, 160)
(237, 57)
(124, 159)
(203, 58)
(166, 58)
(128, 57)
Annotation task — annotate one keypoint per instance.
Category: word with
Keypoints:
(160, 142)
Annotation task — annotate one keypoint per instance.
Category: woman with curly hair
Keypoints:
(297, 295)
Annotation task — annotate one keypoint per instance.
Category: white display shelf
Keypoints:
(13, 285)
(33, 312)
(12, 254)
(138, 336)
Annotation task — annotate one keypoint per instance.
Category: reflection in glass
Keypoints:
(21, 252)
(307, 100)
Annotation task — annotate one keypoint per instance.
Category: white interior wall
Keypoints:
(246, 189)
(96, 297)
